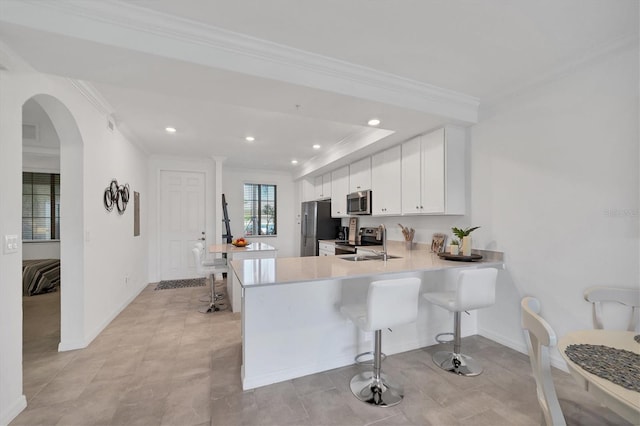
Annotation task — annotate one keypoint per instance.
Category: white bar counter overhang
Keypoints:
(291, 320)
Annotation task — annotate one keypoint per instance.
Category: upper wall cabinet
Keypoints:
(308, 190)
(385, 182)
(339, 191)
(360, 175)
(322, 187)
(433, 173)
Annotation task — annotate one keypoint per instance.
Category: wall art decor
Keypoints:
(116, 195)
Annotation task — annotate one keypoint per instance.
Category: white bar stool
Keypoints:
(209, 271)
(209, 261)
(475, 289)
(389, 303)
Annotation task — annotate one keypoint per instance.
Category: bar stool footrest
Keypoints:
(367, 361)
(439, 338)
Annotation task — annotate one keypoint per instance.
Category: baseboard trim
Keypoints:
(81, 344)
(16, 408)
(521, 346)
(292, 373)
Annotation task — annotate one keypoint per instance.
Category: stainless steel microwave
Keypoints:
(359, 202)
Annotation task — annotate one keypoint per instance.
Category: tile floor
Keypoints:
(160, 362)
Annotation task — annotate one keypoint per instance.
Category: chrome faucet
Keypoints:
(383, 231)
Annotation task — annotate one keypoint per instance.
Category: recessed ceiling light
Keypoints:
(294, 161)
(250, 139)
(316, 146)
(373, 122)
(170, 129)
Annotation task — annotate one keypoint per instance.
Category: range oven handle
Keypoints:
(340, 249)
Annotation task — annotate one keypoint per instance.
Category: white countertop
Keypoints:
(230, 248)
(263, 272)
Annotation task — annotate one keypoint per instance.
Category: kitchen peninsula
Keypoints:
(291, 321)
(254, 250)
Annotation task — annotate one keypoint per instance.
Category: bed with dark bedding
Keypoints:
(40, 276)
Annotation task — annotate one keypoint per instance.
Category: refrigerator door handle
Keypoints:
(304, 230)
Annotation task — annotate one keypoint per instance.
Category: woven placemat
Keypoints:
(619, 366)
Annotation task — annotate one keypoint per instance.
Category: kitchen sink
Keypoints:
(363, 257)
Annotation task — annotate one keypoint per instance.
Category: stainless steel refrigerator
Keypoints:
(316, 224)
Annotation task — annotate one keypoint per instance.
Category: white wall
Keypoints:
(98, 292)
(555, 186)
(41, 250)
(287, 240)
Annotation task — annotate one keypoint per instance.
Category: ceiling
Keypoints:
(293, 73)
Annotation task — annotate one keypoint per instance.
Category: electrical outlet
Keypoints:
(10, 244)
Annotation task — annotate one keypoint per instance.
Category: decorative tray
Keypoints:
(460, 257)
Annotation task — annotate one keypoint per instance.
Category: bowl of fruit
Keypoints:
(240, 242)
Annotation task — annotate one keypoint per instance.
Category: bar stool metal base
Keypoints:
(380, 393)
(460, 364)
(209, 309)
(207, 297)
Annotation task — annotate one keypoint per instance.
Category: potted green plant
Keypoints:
(463, 236)
(454, 247)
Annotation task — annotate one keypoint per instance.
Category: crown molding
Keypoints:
(93, 96)
(126, 25)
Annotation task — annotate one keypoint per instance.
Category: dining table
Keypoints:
(606, 353)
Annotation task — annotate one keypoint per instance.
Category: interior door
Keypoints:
(182, 221)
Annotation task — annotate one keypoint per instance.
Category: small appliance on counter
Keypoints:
(343, 233)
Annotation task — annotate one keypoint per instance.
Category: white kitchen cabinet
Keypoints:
(386, 178)
(411, 172)
(308, 190)
(433, 173)
(339, 191)
(326, 185)
(326, 249)
(360, 175)
(322, 187)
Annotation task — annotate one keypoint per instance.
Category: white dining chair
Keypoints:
(540, 338)
(629, 297)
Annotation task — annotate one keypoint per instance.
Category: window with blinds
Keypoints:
(40, 206)
(260, 211)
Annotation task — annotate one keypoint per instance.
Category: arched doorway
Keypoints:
(72, 334)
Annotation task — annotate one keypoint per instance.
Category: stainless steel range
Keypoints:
(367, 236)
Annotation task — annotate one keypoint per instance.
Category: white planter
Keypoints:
(454, 249)
(466, 246)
